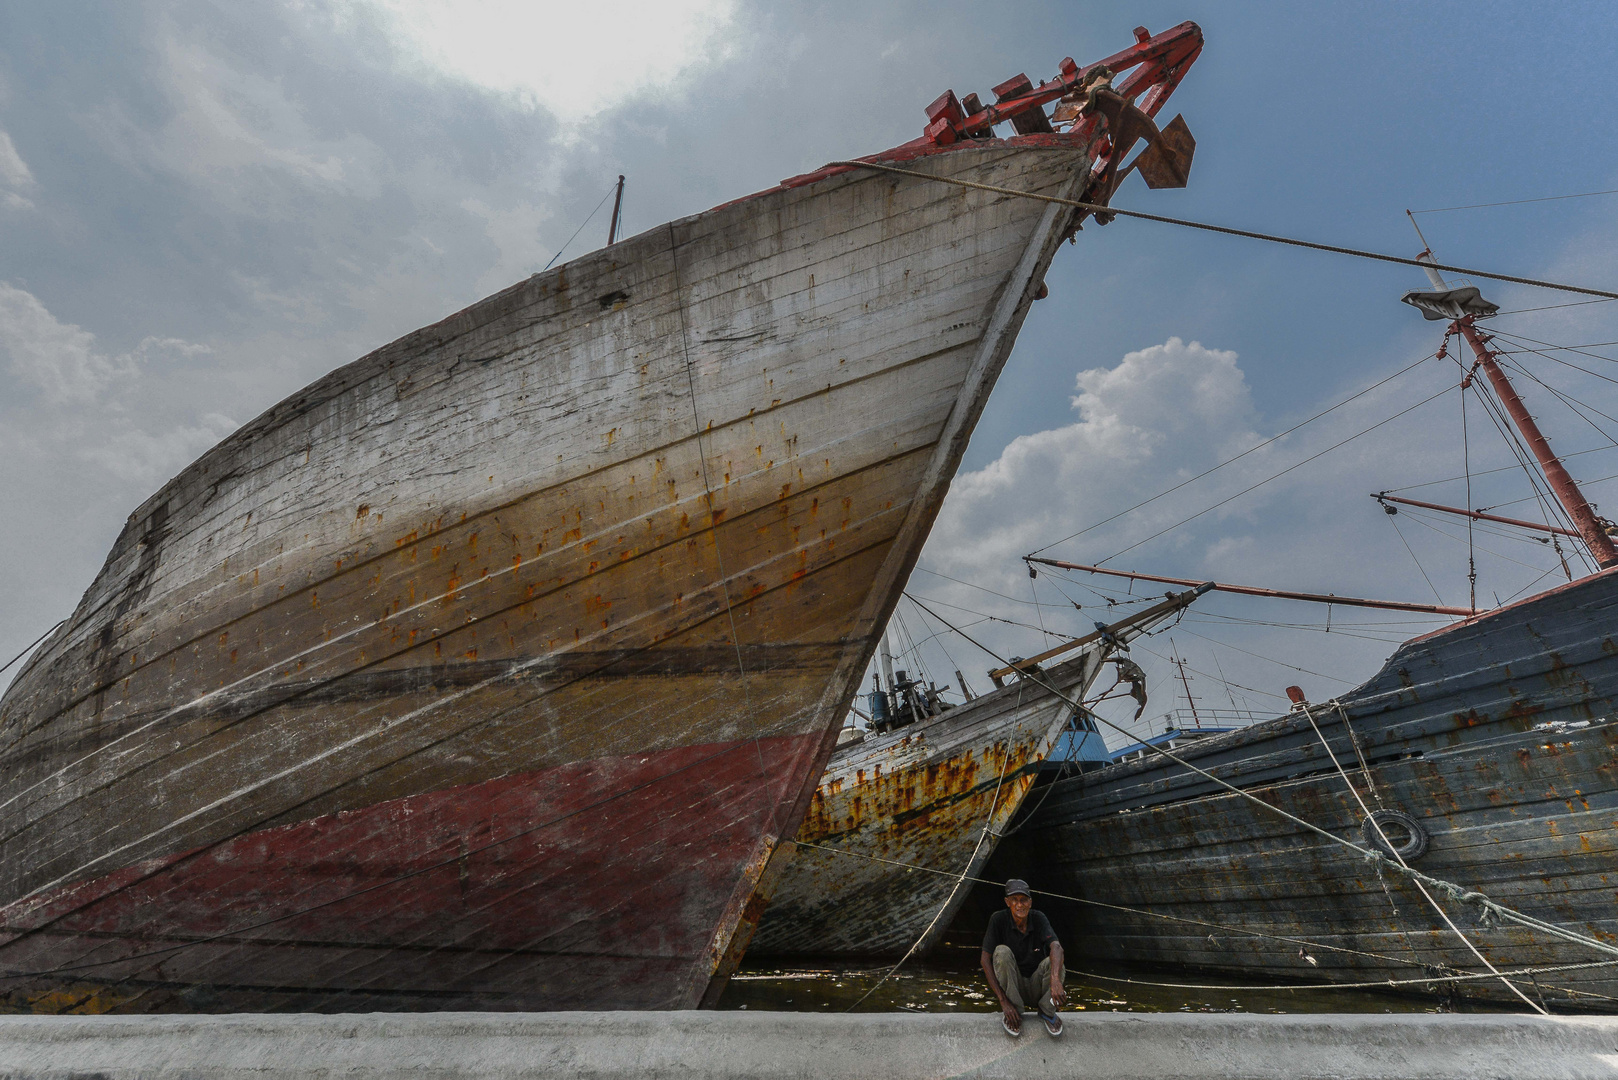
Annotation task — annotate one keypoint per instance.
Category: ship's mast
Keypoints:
(1463, 305)
(1562, 484)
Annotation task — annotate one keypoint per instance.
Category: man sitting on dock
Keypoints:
(1023, 961)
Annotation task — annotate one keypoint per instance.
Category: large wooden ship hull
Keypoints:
(934, 794)
(489, 670)
(1498, 735)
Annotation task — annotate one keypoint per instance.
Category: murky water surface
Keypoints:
(951, 981)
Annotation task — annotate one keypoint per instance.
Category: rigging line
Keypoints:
(991, 618)
(1378, 984)
(1487, 551)
(1532, 583)
(1277, 476)
(1587, 483)
(1221, 678)
(1113, 211)
(1496, 413)
(580, 229)
(1551, 307)
(1512, 202)
(1486, 472)
(1392, 520)
(1270, 659)
(1572, 403)
(30, 648)
(971, 585)
(1549, 507)
(1322, 946)
(1559, 360)
(1513, 335)
(1238, 457)
(960, 879)
(1489, 908)
(1365, 811)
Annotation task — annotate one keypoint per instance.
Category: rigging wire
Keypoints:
(1503, 468)
(1550, 508)
(1512, 202)
(1113, 211)
(1580, 349)
(1276, 476)
(1394, 521)
(1238, 457)
(30, 647)
(1552, 307)
(580, 229)
(1492, 908)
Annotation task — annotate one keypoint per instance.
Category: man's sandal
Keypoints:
(1012, 1031)
(1053, 1024)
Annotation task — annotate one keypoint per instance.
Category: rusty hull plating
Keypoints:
(921, 796)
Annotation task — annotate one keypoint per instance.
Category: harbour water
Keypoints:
(951, 981)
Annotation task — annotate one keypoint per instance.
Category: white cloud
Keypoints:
(1158, 414)
(93, 403)
(15, 176)
(59, 359)
(574, 60)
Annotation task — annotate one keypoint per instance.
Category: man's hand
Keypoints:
(1013, 1016)
(1058, 993)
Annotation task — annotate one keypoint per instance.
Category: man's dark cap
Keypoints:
(1018, 887)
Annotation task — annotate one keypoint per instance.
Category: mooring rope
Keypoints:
(1490, 911)
(983, 835)
(1388, 845)
(1370, 984)
(1098, 209)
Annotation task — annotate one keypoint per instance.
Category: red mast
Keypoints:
(1567, 491)
(1465, 306)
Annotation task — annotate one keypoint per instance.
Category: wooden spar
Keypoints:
(1251, 590)
(1567, 492)
(1173, 603)
(617, 207)
(1477, 514)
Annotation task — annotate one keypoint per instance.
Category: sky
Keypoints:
(203, 207)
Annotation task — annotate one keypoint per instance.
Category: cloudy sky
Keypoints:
(205, 206)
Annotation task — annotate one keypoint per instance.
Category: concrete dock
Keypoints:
(813, 1047)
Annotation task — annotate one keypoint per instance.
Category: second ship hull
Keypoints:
(902, 821)
(489, 671)
(1497, 736)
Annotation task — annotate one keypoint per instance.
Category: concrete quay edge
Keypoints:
(790, 1046)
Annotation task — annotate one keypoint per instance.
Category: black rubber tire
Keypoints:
(1411, 850)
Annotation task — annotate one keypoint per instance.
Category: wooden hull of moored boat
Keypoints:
(1498, 735)
(489, 670)
(899, 821)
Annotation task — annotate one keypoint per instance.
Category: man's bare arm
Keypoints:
(1058, 991)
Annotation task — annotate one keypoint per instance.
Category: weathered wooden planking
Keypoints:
(1500, 735)
(488, 670)
(933, 795)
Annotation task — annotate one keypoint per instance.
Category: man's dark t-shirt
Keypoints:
(1029, 948)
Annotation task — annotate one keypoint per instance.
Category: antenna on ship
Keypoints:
(617, 207)
(1464, 306)
(1185, 680)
